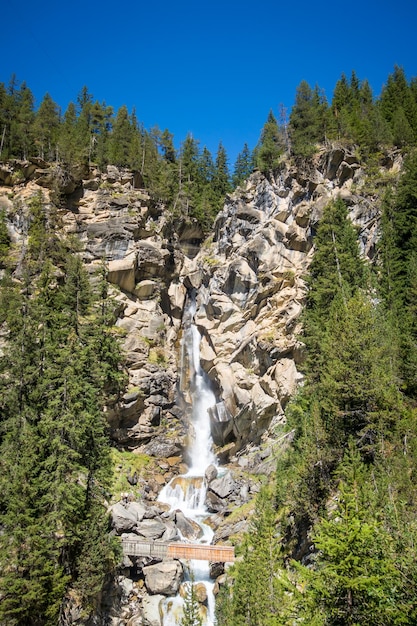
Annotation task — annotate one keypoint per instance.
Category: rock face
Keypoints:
(251, 288)
(249, 281)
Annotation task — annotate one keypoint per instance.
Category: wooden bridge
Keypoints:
(177, 550)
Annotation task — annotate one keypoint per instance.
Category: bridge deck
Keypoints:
(177, 550)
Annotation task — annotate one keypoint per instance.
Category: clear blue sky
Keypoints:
(214, 69)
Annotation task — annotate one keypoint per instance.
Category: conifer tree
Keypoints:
(357, 382)
(100, 125)
(221, 177)
(243, 166)
(191, 610)
(149, 157)
(83, 125)
(67, 140)
(46, 128)
(307, 119)
(336, 268)
(399, 108)
(206, 167)
(17, 114)
(137, 145)
(257, 591)
(271, 145)
(167, 145)
(397, 248)
(121, 136)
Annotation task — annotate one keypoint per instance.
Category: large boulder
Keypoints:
(163, 578)
(150, 528)
(123, 520)
(137, 509)
(187, 527)
(223, 486)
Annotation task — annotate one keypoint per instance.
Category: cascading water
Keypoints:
(188, 492)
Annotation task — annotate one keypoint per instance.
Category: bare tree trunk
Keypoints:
(2, 139)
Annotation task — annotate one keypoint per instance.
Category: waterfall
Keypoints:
(188, 492)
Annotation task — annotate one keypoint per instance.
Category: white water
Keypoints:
(188, 492)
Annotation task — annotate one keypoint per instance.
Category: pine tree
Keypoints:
(399, 108)
(137, 145)
(307, 119)
(24, 122)
(340, 102)
(397, 247)
(221, 177)
(271, 145)
(101, 126)
(83, 125)
(46, 128)
(63, 361)
(206, 168)
(244, 166)
(120, 138)
(67, 139)
(257, 591)
(167, 145)
(191, 609)
(336, 269)
(357, 382)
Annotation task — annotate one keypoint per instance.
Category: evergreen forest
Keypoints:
(333, 539)
(190, 180)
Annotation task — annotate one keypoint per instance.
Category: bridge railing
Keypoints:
(178, 550)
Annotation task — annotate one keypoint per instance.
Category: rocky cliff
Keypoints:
(250, 282)
(248, 278)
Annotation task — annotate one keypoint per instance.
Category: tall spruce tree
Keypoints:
(244, 166)
(307, 119)
(399, 108)
(46, 128)
(271, 145)
(121, 136)
(336, 269)
(221, 177)
(397, 249)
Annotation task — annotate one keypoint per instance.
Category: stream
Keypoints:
(188, 491)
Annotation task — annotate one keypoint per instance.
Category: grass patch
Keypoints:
(242, 512)
(126, 464)
(157, 356)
